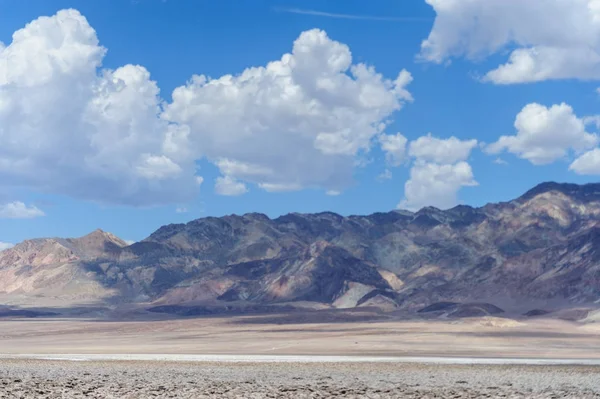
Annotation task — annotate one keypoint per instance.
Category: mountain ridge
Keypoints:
(537, 249)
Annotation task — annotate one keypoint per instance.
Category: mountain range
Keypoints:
(537, 253)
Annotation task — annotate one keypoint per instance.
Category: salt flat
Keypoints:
(144, 379)
(182, 358)
(283, 357)
(255, 335)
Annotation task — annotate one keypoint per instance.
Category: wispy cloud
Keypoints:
(386, 175)
(5, 245)
(350, 16)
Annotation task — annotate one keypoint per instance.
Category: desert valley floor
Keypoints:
(318, 333)
(34, 351)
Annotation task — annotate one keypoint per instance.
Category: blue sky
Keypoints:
(58, 177)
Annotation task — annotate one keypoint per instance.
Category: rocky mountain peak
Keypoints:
(101, 235)
(98, 244)
(584, 193)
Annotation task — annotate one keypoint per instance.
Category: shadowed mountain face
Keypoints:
(542, 247)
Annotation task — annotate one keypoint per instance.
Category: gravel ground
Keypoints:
(134, 379)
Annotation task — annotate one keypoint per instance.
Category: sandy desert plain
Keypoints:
(313, 355)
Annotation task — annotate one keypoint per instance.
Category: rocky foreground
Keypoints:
(60, 379)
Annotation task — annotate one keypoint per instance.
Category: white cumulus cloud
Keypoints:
(68, 127)
(546, 134)
(297, 122)
(548, 39)
(442, 151)
(438, 173)
(436, 185)
(587, 164)
(18, 210)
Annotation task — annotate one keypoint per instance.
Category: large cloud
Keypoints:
(438, 173)
(549, 39)
(297, 122)
(546, 134)
(68, 127)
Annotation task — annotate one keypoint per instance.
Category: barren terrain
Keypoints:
(297, 356)
(55, 379)
(305, 335)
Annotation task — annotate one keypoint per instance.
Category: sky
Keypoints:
(126, 115)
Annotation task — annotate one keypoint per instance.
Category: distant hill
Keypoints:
(537, 250)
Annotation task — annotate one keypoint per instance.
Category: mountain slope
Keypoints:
(541, 248)
(51, 269)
